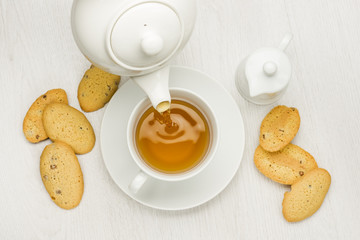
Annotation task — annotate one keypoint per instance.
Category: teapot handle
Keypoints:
(285, 42)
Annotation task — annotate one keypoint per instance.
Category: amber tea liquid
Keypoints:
(174, 141)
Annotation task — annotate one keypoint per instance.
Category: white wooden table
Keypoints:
(37, 53)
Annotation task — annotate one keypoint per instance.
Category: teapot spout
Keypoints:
(156, 87)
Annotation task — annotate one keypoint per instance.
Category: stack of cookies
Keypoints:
(50, 116)
(289, 164)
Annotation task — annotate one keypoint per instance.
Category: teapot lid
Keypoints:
(267, 70)
(145, 36)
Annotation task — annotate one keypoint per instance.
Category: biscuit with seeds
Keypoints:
(285, 166)
(66, 124)
(61, 174)
(279, 127)
(306, 195)
(96, 89)
(32, 125)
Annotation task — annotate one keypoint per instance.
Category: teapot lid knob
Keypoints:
(152, 44)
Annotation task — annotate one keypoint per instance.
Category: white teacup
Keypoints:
(145, 170)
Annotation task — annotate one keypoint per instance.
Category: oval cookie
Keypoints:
(32, 126)
(285, 166)
(96, 89)
(306, 195)
(61, 174)
(66, 124)
(279, 127)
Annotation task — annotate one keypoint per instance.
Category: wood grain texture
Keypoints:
(37, 53)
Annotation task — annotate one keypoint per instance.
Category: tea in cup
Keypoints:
(174, 145)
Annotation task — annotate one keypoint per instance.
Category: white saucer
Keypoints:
(174, 195)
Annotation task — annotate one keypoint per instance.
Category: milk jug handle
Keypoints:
(285, 42)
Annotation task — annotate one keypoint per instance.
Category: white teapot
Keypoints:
(134, 38)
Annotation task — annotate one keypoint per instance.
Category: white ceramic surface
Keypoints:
(191, 192)
(156, 86)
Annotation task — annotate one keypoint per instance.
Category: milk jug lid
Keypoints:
(145, 36)
(268, 70)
